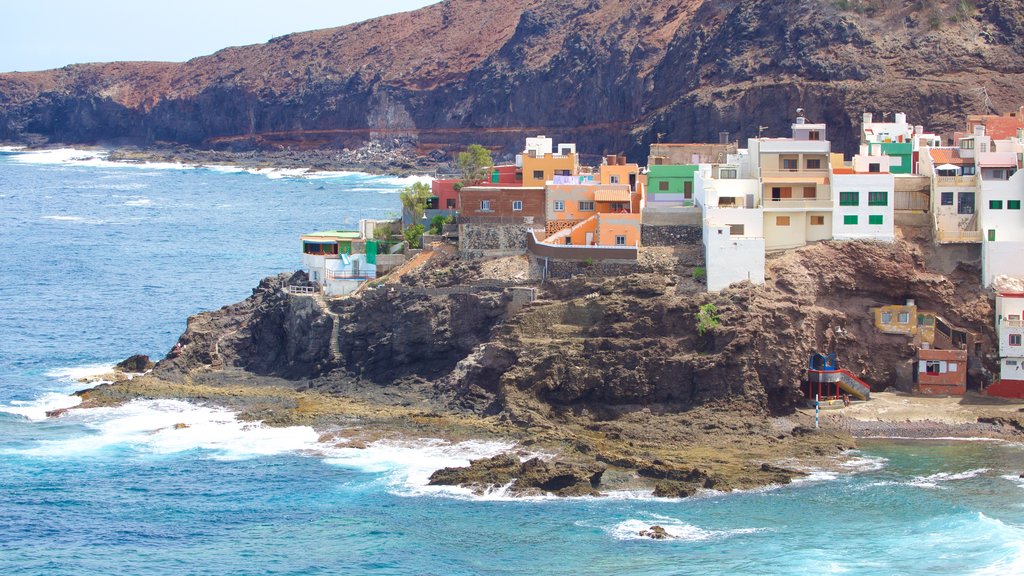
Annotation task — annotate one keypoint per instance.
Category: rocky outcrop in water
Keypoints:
(609, 75)
(534, 476)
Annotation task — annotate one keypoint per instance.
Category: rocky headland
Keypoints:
(612, 76)
(604, 383)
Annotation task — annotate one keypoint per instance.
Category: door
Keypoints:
(590, 238)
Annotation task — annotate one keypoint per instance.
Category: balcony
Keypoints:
(956, 181)
(1012, 324)
(959, 236)
(786, 204)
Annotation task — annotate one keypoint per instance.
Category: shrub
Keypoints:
(707, 319)
(437, 223)
(699, 273)
(413, 235)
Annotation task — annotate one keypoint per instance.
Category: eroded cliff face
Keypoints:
(608, 75)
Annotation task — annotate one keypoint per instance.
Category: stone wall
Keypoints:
(547, 268)
(669, 235)
(492, 240)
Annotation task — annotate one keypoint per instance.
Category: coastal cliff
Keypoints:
(600, 371)
(612, 76)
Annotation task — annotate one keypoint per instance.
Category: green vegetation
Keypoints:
(707, 319)
(475, 163)
(382, 232)
(414, 235)
(699, 273)
(414, 199)
(437, 223)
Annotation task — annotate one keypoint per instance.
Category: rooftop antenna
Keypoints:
(660, 136)
(760, 130)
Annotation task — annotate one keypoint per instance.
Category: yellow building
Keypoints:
(541, 162)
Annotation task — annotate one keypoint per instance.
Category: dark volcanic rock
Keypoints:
(534, 475)
(137, 363)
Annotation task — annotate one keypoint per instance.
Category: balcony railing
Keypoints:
(955, 181)
(1013, 324)
(959, 236)
(796, 203)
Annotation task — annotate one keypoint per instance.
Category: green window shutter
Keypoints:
(850, 220)
(991, 235)
(1013, 204)
(849, 198)
(995, 204)
(875, 220)
(878, 198)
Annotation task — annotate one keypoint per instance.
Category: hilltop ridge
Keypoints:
(609, 75)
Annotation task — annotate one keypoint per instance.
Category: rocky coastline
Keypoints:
(605, 379)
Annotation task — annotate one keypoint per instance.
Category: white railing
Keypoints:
(302, 290)
(955, 181)
(796, 203)
(1013, 323)
(959, 235)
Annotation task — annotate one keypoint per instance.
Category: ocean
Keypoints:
(101, 261)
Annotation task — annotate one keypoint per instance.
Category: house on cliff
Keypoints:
(862, 207)
(1010, 334)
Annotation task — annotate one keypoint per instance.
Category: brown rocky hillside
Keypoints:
(610, 75)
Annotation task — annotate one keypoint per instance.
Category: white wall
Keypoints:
(1012, 368)
(730, 259)
(1001, 259)
(863, 184)
(1008, 224)
(751, 219)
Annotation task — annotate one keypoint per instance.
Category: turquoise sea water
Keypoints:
(101, 261)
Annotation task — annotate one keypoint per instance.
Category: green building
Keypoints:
(901, 155)
(670, 183)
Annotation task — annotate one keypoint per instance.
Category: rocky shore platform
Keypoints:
(394, 157)
(603, 383)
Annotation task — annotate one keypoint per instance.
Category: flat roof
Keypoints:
(335, 235)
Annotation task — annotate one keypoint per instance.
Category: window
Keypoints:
(559, 206)
(810, 192)
(614, 179)
(878, 198)
(995, 204)
(568, 240)
(933, 367)
(485, 205)
(450, 203)
(875, 220)
(782, 220)
(903, 318)
(874, 167)
(965, 203)
(813, 163)
(517, 205)
(817, 220)
(983, 147)
(566, 151)
(789, 164)
(1014, 339)
(991, 235)
(1013, 204)
(849, 198)
(620, 240)
(727, 173)
(886, 317)
(947, 199)
(969, 170)
(967, 144)
(586, 206)
(850, 220)
(663, 186)
(736, 229)
(814, 135)
(952, 367)
(538, 175)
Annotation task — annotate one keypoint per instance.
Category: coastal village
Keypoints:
(742, 206)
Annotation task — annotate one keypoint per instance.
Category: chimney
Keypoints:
(610, 159)
(911, 302)
(800, 116)
(723, 137)
(919, 130)
(979, 129)
(621, 159)
(901, 118)
(868, 118)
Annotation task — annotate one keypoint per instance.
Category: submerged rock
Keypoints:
(656, 533)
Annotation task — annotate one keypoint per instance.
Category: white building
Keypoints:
(1001, 183)
(1010, 334)
(733, 222)
(337, 260)
(862, 206)
(898, 139)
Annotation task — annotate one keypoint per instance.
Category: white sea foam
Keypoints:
(407, 465)
(677, 529)
(1015, 478)
(140, 202)
(172, 426)
(37, 409)
(406, 180)
(64, 218)
(864, 463)
(1012, 537)
(11, 148)
(79, 373)
(933, 481)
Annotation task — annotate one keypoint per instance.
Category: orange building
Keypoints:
(615, 170)
(602, 230)
(542, 162)
(941, 372)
